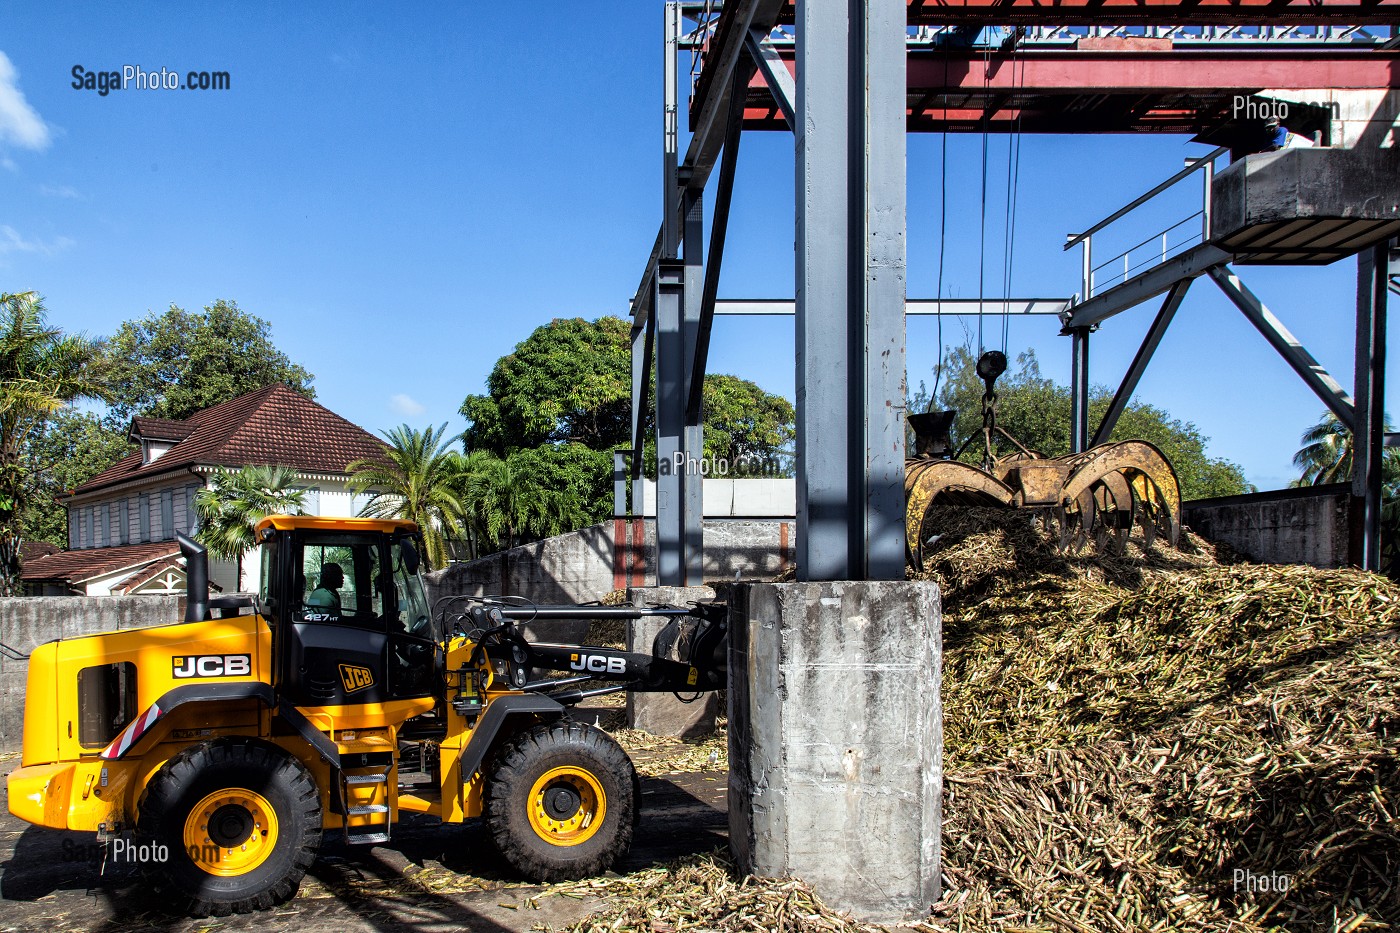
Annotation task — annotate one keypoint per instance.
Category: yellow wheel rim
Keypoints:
(230, 832)
(567, 806)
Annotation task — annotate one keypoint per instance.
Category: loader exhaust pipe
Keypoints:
(196, 578)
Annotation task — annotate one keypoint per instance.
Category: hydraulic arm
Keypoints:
(688, 654)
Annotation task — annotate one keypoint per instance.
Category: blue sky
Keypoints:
(405, 193)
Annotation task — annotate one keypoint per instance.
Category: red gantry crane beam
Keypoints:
(1130, 84)
(1101, 90)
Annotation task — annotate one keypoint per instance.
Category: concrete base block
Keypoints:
(662, 713)
(836, 741)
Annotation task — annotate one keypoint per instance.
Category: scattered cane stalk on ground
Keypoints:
(1153, 741)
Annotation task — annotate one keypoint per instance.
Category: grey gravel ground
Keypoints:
(430, 878)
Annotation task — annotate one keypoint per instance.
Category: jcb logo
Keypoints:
(597, 664)
(356, 678)
(212, 665)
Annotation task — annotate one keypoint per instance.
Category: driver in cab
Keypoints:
(327, 596)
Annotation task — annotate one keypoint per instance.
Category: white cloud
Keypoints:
(67, 192)
(406, 405)
(12, 242)
(20, 124)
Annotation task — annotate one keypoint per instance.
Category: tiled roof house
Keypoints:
(122, 522)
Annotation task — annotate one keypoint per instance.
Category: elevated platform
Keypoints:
(1306, 206)
(1291, 207)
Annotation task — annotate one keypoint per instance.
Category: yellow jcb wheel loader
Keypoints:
(219, 751)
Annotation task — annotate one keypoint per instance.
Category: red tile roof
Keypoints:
(160, 429)
(33, 550)
(75, 566)
(273, 426)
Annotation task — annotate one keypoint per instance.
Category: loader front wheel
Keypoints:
(560, 800)
(239, 823)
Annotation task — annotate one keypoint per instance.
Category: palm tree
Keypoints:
(1326, 454)
(41, 371)
(235, 501)
(419, 480)
(508, 502)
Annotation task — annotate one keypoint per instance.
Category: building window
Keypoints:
(167, 514)
(124, 521)
(191, 516)
(88, 538)
(143, 511)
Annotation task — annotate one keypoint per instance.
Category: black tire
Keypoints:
(233, 780)
(559, 802)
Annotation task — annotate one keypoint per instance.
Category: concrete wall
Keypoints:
(1287, 526)
(586, 565)
(736, 498)
(30, 621)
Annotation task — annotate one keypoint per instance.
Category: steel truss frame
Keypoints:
(850, 306)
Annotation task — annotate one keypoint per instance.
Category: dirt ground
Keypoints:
(429, 878)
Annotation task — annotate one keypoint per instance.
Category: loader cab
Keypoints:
(349, 615)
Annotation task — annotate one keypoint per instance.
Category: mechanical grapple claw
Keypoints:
(1096, 495)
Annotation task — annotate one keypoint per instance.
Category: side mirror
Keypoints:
(409, 552)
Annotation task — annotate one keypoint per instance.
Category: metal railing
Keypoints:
(1163, 244)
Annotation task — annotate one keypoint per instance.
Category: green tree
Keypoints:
(419, 479)
(745, 425)
(173, 364)
(568, 388)
(579, 476)
(67, 451)
(1036, 412)
(236, 500)
(1326, 455)
(570, 380)
(42, 370)
(510, 501)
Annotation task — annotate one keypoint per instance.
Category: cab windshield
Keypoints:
(411, 613)
(363, 581)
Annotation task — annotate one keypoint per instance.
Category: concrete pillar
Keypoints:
(663, 713)
(836, 740)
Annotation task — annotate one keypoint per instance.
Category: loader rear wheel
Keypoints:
(560, 800)
(239, 822)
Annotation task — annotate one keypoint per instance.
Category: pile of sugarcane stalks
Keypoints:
(1162, 739)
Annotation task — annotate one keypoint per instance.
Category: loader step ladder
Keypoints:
(365, 794)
